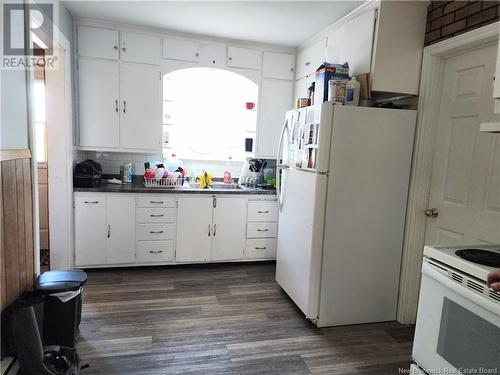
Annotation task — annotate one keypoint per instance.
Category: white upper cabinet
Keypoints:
(244, 58)
(278, 65)
(275, 99)
(140, 116)
(397, 55)
(353, 42)
(213, 54)
(496, 87)
(120, 228)
(99, 103)
(98, 42)
(309, 59)
(140, 48)
(181, 49)
(229, 228)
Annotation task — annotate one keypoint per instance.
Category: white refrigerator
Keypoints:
(342, 185)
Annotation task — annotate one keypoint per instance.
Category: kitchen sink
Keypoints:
(226, 187)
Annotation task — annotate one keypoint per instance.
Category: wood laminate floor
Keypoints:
(221, 319)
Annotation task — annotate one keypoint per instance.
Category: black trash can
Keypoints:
(62, 305)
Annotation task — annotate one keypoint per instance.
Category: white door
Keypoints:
(275, 99)
(90, 230)
(194, 229)
(99, 103)
(120, 228)
(229, 228)
(140, 48)
(97, 42)
(465, 186)
(140, 116)
(278, 65)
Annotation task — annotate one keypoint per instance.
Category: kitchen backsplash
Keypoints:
(111, 162)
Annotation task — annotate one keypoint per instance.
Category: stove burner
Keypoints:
(484, 257)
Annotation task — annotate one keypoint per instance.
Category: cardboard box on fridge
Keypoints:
(325, 73)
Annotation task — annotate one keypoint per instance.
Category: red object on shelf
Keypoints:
(250, 105)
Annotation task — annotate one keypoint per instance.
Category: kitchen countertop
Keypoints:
(137, 186)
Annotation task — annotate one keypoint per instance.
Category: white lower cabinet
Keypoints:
(104, 229)
(229, 225)
(90, 230)
(120, 221)
(119, 229)
(194, 228)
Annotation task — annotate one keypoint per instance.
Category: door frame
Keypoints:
(434, 57)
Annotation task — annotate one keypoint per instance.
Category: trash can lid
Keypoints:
(60, 281)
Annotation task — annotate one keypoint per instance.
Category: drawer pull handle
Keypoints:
(159, 215)
(262, 230)
(261, 248)
(156, 202)
(263, 212)
(155, 231)
(91, 202)
(155, 252)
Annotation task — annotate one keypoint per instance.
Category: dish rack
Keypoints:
(164, 182)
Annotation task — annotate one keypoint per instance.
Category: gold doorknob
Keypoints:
(432, 212)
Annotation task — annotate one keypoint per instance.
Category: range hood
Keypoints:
(490, 127)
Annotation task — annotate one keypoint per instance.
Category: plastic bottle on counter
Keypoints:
(353, 88)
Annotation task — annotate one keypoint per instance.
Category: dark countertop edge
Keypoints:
(145, 190)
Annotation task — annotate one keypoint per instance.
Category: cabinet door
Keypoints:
(90, 230)
(97, 42)
(213, 54)
(194, 229)
(181, 49)
(229, 228)
(300, 89)
(140, 48)
(358, 42)
(309, 59)
(275, 99)
(244, 58)
(335, 46)
(278, 65)
(140, 117)
(98, 103)
(120, 230)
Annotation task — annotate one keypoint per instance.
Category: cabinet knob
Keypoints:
(155, 231)
(155, 252)
(308, 63)
(261, 248)
(115, 47)
(197, 54)
(124, 49)
(230, 58)
(91, 202)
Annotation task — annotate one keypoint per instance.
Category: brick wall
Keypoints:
(449, 18)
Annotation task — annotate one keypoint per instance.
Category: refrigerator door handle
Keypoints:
(279, 163)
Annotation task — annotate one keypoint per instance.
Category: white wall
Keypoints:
(14, 112)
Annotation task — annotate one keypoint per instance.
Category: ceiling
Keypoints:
(285, 23)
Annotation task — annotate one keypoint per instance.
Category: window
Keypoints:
(208, 113)
(40, 120)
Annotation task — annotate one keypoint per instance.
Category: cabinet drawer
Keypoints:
(260, 248)
(155, 231)
(262, 230)
(155, 251)
(156, 215)
(262, 211)
(97, 42)
(155, 201)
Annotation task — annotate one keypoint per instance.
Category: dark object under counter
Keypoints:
(137, 186)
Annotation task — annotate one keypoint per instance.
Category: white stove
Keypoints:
(448, 256)
(458, 321)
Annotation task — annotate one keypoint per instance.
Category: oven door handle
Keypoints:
(459, 289)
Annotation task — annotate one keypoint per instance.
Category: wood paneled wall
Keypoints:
(16, 225)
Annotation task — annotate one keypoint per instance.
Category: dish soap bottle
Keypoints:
(353, 88)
